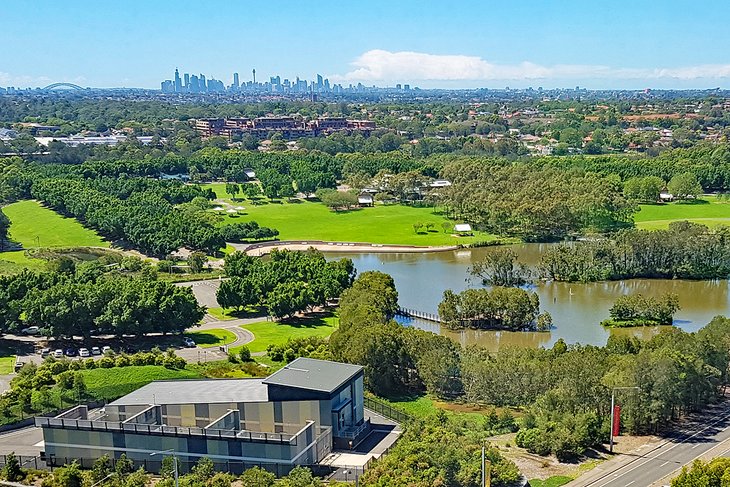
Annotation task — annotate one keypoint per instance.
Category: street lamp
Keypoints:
(102, 480)
(613, 401)
(486, 477)
(174, 459)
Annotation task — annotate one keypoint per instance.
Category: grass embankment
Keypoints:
(212, 338)
(555, 481)
(707, 210)
(118, 381)
(381, 224)
(227, 314)
(277, 333)
(32, 225)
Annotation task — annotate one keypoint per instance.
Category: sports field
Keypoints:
(381, 224)
(707, 211)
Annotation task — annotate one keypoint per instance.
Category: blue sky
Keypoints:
(549, 43)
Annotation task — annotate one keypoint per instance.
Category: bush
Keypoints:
(106, 362)
(122, 361)
(245, 354)
(90, 363)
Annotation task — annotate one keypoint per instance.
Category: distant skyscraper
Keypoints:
(320, 82)
(235, 81)
(254, 75)
(202, 84)
(194, 84)
(187, 82)
(178, 82)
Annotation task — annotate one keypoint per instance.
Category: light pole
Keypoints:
(174, 461)
(486, 468)
(102, 480)
(613, 402)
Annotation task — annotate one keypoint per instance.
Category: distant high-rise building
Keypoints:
(326, 84)
(235, 81)
(320, 82)
(194, 84)
(167, 86)
(186, 86)
(178, 82)
(201, 83)
(254, 75)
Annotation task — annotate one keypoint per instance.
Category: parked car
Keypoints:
(130, 349)
(95, 351)
(58, 353)
(84, 352)
(189, 342)
(106, 349)
(18, 364)
(71, 352)
(45, 352)
(31, 330)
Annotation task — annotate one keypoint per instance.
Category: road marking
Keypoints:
(630, 483)
(663, 464)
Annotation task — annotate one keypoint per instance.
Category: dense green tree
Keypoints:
(685, 185)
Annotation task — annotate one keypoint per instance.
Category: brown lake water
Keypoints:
(577, 309)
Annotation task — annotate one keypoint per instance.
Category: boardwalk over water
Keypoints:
(414, 313)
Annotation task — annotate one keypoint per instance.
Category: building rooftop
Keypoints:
(311, 374)
(208, 391)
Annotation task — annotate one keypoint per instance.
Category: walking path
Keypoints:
(264, 248)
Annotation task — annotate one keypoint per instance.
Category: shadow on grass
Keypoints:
(10, 347)
(313, 320)
(693, 202)
(204, 338)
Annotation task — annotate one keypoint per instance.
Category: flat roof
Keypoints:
(312, 374)
(207, 391)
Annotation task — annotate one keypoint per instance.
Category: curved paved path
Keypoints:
(264, 248)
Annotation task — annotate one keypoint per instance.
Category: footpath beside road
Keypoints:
(707, 434)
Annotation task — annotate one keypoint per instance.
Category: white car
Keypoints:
(95, 351)
(58, 353)
(84, 352)
(31, 330)
(105, 349)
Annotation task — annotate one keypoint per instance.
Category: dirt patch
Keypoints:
(538, 467)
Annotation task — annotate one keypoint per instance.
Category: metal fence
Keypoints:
(35, 463)
(387, 410)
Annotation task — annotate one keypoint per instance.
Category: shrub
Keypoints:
(122, 361)
(245, 354)
(106, 362)
(90, 363)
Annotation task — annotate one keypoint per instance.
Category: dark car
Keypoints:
(70, 352)
(130, 349)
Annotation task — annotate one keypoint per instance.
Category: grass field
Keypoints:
(212, 338)
(7, 364)
(707, 211)
(277, 333)
(382, 224)
(555, 481)
(32, 225)
(118, 381)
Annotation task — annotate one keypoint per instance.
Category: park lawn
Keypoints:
(33, 225)
(211, 338)
(7, 365)
(277, 333)
(381, 224)
(707, 210)
(117, 381)
(424, 406)
(227, 314)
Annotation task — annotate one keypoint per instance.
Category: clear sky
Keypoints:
(480, 43)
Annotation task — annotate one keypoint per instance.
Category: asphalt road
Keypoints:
(644, 468)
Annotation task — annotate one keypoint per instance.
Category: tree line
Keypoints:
(640, 310)
(95, 300)
(286, 283)
(684, 251)
(533, 203)
(154, 216)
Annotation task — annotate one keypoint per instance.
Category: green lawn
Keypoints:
(277, 333)
(28, 220)
(555, 481)
(118, 381)
(708, 211)
(7, 365)
(212, 338)
(381, 224)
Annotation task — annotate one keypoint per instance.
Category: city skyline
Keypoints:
(533, 43)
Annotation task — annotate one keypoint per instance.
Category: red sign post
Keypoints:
(615, 427)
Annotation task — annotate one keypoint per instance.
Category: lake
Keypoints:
(576, 308)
